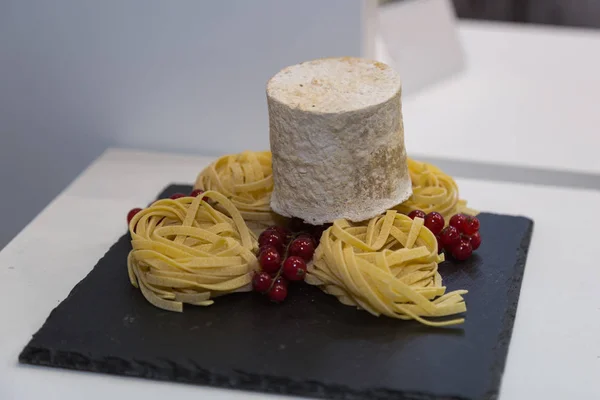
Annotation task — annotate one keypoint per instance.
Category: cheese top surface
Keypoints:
(334, 85)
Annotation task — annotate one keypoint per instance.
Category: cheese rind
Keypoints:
(337, 140)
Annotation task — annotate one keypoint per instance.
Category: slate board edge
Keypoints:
(240, 380)
(198, 375)
(511, 312)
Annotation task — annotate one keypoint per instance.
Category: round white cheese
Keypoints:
(337, 140)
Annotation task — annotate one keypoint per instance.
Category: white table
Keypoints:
(555, 348)
(528, 97)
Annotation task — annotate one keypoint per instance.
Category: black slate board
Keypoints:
(310, 345)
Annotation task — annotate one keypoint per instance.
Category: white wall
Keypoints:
(77, 76)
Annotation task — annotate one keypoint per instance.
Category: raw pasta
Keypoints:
(187, 251)
(386, 266)
(247, 180)
(433, 190)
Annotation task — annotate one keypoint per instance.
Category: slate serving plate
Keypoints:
(310, 345)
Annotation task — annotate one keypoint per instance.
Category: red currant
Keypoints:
(303, 246)
(261, 282)
(267, 247)
(283, 232)
(458, 221)
(196, 192)
(474, 239)
(176, 196)
(416, 213)
(439, 244)
(132, 213)
(471, 226)
(450, 236)
(278, 293)
(294, 268)
(434, 222)
(273, 238)
(270, 260)
(307, 236)
(462, 250)
(280, 280)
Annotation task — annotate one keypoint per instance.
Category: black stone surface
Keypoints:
(310, 345)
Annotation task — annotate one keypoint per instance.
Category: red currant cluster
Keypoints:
(459, 239)
(175, 196)
(194, 193)
(282, 257)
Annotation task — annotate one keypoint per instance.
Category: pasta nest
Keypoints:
(188, 251)
(247, 180)
(386, 266)
(433, 190)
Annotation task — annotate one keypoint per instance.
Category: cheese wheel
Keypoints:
(337, 140)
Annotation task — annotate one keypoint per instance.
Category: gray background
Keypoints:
(77, 76)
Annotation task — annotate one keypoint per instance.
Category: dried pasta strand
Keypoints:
(190, 250)
(433, 190)
(386, 266)
(247, 180)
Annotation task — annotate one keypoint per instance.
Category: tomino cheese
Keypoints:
(337, 140)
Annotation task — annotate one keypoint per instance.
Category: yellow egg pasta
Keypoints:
(386, 266)
(188, 251)
(247, 180)
(433, 190)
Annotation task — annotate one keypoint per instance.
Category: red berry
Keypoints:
(294, 268)
(270, 260)
(416, 213)
(176, 196)
(458, 221)
(283, 232)
(439, 244)
(434, 222)
(450, 236)
(132, 213)
(471, 226)
(280, 280)
(278, 293)
(462, 250)
(308, 237)
(271, 237)
(304, 236)
(266, 247)
(261, 282)
(474, 239)
(303, 246)
(196, 192)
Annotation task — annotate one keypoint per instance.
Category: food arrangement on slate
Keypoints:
(331, 266)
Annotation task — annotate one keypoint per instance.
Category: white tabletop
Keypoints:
(528, 97)
(554, 353)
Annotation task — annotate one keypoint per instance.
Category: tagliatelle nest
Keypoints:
(433, 190)
(247, 180)
(188, 251)
(389, 266)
